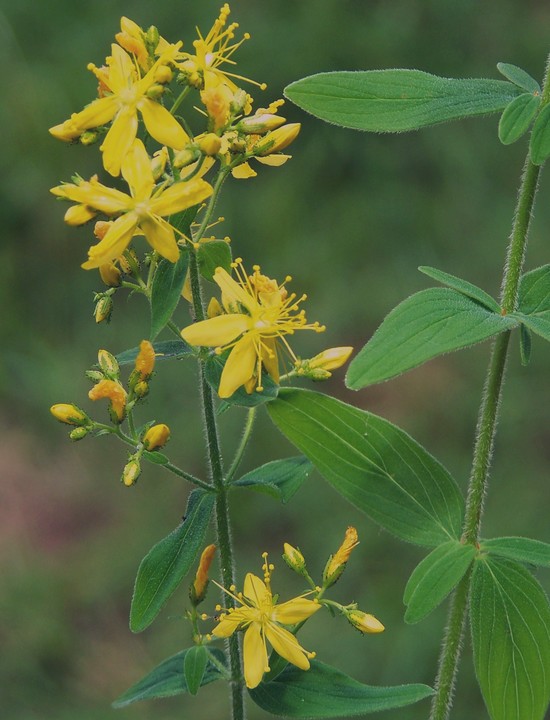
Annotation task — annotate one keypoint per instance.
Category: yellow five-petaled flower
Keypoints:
(262, 618)
(142, 211)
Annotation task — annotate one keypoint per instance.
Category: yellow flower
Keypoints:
(127, 94)
(211, 52)
(262, 618)
(141, 211)
(258, 314)
(156, 437)
(115, 393)
(143, 44)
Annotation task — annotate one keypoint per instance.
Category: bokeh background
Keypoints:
(350, 217)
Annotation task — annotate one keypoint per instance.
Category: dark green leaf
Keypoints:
(434, 578)
(213, 371)
(510, 619)
(396, 100)
(463, 286)
(521, 549)
(519, 77)
(168, 679)
(166, 291)
(165, 565)
(540, 137)
(194, 667)
(280, 478)
(430, 323)
(534, 301)
(155, 457)
(375, 465)
(324, 692)
(524, 344)
(517, 118)
(213, 254)
(165, 350)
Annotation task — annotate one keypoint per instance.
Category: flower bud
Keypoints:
(337, 562)
(127, 265)
(131, 472)
(95, 375)
(145, 360)
(115, 393)
(103, 309)
(210, 144)
(294, 558)
(364, 622)
(331, 359)
(197, 591)
(78, 433)
(110, 274)
(89, 137)
(158, 162)
(152, 37)
(241, 102)
(155, 91)
(156, 437)
(186, 156)
(163, 74)
(141, 389)
(69, 414)
(108, 364)
(277, 140)
(260, 124)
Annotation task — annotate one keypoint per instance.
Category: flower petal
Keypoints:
(285, 644)
(160, 235)
(216, 331)
(255, 656)
(136, 170)
(114, 243)
(79, 214)
(256, 590)
(95, 195)
(180, 196)
(232, 292)
(274, 160)
(119, 139)
(239, 367)
(295, 611)
(122, 71)
(270, 357)
(243, 172)
(98, 112)
(162, 125)
(230, 622)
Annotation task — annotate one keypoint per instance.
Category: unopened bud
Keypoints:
(103, 309)
(331, 359)
(101, 228)
(95, 375)
(260, 124)
(128, 264)
(141, 389)
(89, 137)
(197, 591)
(152, 37)
(337, 562)
(364, 622)
(108, 364)
(186, 156)
(69, 414)
(240, 102)
(78, 433)
(155, 91)
(163, 74)
(131, 472)
(156, 437)
(278, 139)
(210, 144)
(115, 393)
(145, 360)
(294, 558)
(158, 163)
(110, 274)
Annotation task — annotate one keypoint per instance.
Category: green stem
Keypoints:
(211, 204)
(486, 431)
(247, 432)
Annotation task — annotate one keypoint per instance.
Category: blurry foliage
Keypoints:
(350, 217)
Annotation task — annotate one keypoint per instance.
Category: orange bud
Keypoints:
(115, 393)
(156, 437)
(197, 591)
(337, 562)
(145, 361)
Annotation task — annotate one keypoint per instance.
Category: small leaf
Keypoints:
(165, 350)
(324, 692)
(517, 118)
(524, 344)
(168, 679)
(427, 324)
(396, 100)
(213, 254)
(166, 290)
(521, 549)
(194, 667)
(540, 137)
(434, 578)
(279, 478)
(373, 464)
(510, 619)
(534, 301)
(213, 372)
(463, 286)
(155, 457)
(167, 563)
(519, 77)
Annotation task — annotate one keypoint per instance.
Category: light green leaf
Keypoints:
(463, 286)
(167, 563)
(534, 301)
(517, 118)
(396, 100)
(166, 291)
(213, 254)
(324, 692)
(373, 464)
(540, 137)
(165, 350)
(168, 679)
(524, 344)
(279, 478)
(521, 549)
(519, 77)
(434, 578)
(427, 324)
(194, 667)
(213, 372)
(510, 619)
(155, 457)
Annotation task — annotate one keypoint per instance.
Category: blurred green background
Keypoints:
(350, 217)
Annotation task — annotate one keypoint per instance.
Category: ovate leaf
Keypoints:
(463, 286)
(524, 344)
(540, 137)
(167, 563)
(324, 692)
(519, 77)
(213, 254)
(534, 301)
(165, 350)
(510, 619)
(168, 679)
(427, 324)
(434, 578)
(166, 290)
(521, 549)
(517, 118)
(194, 667)
(396, 100)
(279, 478)
(373, 464)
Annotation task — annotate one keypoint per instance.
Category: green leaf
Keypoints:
(540, 137)
(279, 478)
(194, 667)
(519, 77)
(324, 692)
(524, 344)
(373, 464)
(427, 324)
(521, 549)
(534, 301)
(166, 290)
(434, 578)
(510, 619)
(213, 372)
(155, 457)
(165, 350)
(396, 100)
(517, 118)
(213, 254)
(164, 566)
(463, 286)
(168, 679)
